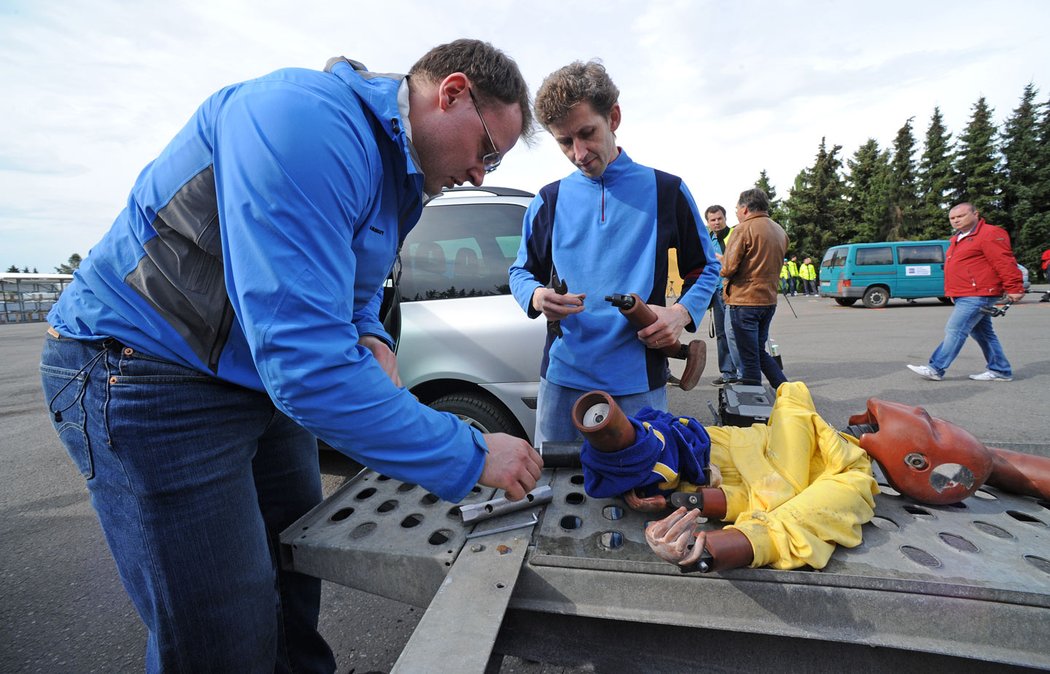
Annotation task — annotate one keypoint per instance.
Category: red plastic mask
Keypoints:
(928, 459)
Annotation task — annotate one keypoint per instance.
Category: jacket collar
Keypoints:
(378, 93)
(959, 236)
(616, 168)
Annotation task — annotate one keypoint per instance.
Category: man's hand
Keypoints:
(670, 321)
(670, 537)
(386, 358)
(1015, 297)
(554, 306)
(511, 465)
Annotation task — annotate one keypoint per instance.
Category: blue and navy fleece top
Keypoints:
(611, 235)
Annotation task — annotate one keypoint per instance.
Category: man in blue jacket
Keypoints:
(231, 314)
(604, 229)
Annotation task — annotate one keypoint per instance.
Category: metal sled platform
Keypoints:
(573, 583)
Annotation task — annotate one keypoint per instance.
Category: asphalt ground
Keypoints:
(62, 608)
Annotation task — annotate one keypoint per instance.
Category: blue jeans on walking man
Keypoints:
(751, 328)
(967, 320)
(192, 480)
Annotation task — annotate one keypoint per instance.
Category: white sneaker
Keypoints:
(926, 372)
(988, 375)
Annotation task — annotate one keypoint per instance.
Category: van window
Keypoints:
(870, 256)
(920, 254)
(460, 251)
(835, 257)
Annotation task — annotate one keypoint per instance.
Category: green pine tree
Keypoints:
(867, 192)
(1034, 236)
(72, 265)
(977, 164)
(936, 177)
(904, 199)
(1021, 168)
(775, 207)
(814, 211)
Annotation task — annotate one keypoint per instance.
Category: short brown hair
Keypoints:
(493, 74)
(576, 82)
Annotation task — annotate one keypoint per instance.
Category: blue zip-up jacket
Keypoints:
(254, 249)
(611, 235)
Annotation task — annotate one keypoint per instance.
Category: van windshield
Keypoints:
(835, 257)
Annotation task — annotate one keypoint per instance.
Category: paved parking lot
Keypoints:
(62, 607)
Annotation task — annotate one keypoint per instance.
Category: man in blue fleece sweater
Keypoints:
(231, 314)
(604, 229)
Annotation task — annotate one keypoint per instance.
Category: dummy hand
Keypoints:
(664, 332)
(511, 465)
(386, 358)
(670, 537)
(554, 306)
(648, 504)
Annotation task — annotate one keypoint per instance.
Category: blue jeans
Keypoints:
(728, 357)
(192, 480)
(968, 321)
(554, 410)
(751, 326)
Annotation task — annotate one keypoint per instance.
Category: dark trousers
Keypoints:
(751, 328)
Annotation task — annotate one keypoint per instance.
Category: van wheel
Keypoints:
(480, 412)
(945, 300)
(845, 301)
(876, 297)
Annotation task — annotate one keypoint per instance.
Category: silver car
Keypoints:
(464, 344)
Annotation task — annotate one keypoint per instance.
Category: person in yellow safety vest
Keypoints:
(792, 266)
(784, 277)
(808, 273)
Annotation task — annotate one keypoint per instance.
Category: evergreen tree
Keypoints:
(775, 211)
(814, 211)
(1034, 236)
(1021, 168)
(13, 269)
(904, 199)
(867, 192)
(977, 165)
(935, 180)
(71, 266)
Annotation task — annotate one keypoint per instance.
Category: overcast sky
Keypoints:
(711, 91)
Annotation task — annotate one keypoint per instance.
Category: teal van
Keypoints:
(875, 272)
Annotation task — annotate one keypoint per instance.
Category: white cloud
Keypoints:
(713, 91)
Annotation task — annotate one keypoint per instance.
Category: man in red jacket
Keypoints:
(979, 269)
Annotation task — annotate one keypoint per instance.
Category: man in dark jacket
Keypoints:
(751, 267)
(980, 267)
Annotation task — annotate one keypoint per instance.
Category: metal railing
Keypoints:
(26, 298)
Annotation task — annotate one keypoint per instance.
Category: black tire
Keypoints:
(481, 412)
(945, 300)
(876, 297)
(845, 301)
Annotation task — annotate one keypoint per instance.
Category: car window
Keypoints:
(880, 255)
(460, 250)
(920, 254)
(835, 257)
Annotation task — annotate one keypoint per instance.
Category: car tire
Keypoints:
(479, 411)
(845, 301)
(876, 297)
(945, 300)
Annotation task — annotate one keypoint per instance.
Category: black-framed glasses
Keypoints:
(492, 159)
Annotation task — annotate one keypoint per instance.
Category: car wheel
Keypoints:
(480, 412)
(845, 301)
(945, 300)
(876, 297)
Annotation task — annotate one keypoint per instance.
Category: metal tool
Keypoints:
(478, 512)
(510, 527)
(994, 311)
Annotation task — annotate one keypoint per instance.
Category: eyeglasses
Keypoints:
(492, 159)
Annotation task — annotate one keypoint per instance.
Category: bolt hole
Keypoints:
(363, 530)
(365, 493)
(610, 540)
(405, 486)
(986, 495)
(575, 498)
(919, 513)
(884, 523)
(576, 479)
(386, 506)
(429, 499)
(570, 522)
(341, 514)
(612, 512)
(1025, 517)
(440, 537)
(382, 478)
(412, 521)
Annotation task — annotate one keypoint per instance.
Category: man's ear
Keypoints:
(452, 88)
(614, 117)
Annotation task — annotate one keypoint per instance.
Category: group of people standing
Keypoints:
(795, 277)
